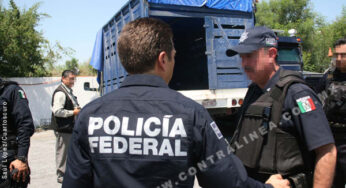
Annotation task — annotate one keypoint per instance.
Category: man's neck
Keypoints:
(262, 85)
(157, 73)
(64, 85)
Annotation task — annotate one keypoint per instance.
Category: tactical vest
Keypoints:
(60, 124)
(335, 103)
(259, 142)
(8, 129)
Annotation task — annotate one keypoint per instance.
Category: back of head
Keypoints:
(141, 42)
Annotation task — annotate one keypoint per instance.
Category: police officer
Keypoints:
(334, 98)
(16, 129)
(147, 135)
(282, 122)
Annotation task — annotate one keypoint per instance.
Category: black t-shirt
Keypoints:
(15, 103)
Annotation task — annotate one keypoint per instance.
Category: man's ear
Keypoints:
(272, 52)
(162, 60)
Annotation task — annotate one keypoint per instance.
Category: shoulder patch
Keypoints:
(306, 104)
(216, 130)
(22, 94)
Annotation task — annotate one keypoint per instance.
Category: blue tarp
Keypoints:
(97, 57)
(240, 5)
(194, 3)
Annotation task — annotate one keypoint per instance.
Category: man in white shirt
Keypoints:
(65, 108)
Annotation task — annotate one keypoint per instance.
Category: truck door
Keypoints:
(222, 33)
(113, 72)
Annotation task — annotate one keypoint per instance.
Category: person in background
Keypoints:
(334, 98)
(16, 129)
(65, 108)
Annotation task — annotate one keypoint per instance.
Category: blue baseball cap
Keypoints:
(253, 39)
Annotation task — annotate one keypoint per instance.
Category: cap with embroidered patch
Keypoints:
(253, 39)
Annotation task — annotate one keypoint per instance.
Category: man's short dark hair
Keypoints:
(140, 43)
(66, 73)
(339, 42)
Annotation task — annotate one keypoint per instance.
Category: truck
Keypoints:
(290, 57)
(203, 32)
(289, 53)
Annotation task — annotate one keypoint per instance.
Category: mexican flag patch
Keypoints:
(306, 104)
(22, 94)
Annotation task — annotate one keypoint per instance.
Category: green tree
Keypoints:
(57, 70)
(85, 69)
(52, 54)
(23, 50)
(338, 28)
(315, 33)
(288, 14)
(19, 42)
(72, 65)
(325, 37)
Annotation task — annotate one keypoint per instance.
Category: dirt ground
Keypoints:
(42, 160)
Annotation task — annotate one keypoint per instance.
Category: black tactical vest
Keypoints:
(63, 125)
(259, 142)
(335, 102)
(8, 129)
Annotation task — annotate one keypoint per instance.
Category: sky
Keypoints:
(75, 23)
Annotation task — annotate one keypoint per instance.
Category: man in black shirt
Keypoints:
(17, 128)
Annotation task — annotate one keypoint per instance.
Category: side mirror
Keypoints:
(87, 87)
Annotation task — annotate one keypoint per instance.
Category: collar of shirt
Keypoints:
(144, 80)
(67, 88)
(70, 95)
(272, 81)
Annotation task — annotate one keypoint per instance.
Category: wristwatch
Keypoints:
(21, 158)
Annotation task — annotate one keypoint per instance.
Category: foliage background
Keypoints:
(24, 52)
(317, 35)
